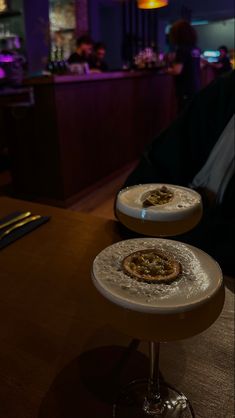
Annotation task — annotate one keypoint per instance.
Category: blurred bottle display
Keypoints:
(63, 25)
(12, 62)
(148, 58)
(56, 62)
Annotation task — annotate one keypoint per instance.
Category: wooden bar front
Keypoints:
(82, 129)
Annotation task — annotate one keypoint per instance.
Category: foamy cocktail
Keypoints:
(184, 300)
(159, 209)
(169, 291)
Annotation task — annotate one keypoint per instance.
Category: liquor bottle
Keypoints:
(51, 60)
(61, 63)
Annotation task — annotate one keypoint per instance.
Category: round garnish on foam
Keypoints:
(152, 266)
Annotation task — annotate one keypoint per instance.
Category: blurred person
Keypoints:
(223, 65)
(83, 53)
(197, 151)
(98, 58)
(185, 65)
(169, 55)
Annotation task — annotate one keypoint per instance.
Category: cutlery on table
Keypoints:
(15, 219)
(19, 225)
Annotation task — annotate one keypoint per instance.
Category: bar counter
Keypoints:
(82, 129)
(8, 96)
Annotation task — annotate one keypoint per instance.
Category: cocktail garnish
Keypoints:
(158, 196)
(152, 266)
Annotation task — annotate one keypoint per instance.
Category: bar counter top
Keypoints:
(207, 75)
(93, 76)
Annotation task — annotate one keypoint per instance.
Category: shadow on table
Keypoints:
(88, 386)
(91, 382)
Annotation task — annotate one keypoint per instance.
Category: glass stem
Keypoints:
(153, 395)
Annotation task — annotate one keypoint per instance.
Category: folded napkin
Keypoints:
(19, 232)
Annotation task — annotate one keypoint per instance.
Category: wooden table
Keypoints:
(56, 330)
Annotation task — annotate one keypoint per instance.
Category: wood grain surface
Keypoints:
(59, 340)
(64, 143)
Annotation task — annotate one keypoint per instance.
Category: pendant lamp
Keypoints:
(3, 5)
(151, 4)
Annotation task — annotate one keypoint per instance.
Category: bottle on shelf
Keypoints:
(56, 62)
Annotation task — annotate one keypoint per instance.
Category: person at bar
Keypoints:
(198, 151)
(185, 66)
(98, 62)
(83, 53)
(223, 65)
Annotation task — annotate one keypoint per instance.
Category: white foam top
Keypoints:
(201, 277)
(183, 204)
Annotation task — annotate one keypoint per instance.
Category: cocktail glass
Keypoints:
(178, 315)
(181, 214)
(152, 397)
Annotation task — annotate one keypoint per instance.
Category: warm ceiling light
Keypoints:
(152, 4)
(3, 5)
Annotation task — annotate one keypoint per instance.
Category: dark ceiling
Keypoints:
(200, 9)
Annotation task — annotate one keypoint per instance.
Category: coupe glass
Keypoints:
(181, 310)
(179, 215)
(175, 320)
(144, 398)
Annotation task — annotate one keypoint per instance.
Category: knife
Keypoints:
(19, 225)
(15, 219)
